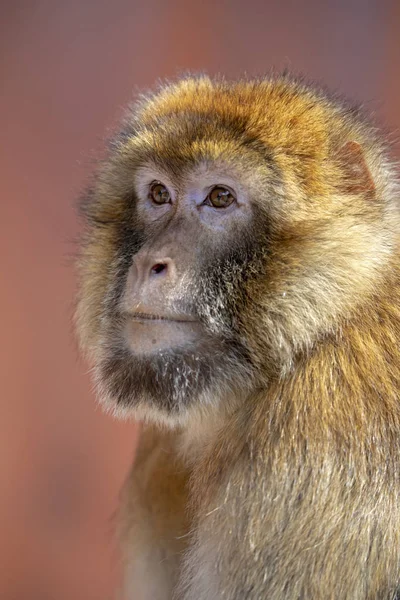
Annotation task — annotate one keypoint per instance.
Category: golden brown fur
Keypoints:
(292, 490)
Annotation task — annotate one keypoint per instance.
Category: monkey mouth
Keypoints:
(149, 332)
(142, 316)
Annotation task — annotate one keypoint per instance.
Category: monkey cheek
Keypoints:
(150, 336)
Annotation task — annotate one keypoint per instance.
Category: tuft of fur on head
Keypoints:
(320, 243)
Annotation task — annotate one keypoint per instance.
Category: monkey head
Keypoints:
(229, 227)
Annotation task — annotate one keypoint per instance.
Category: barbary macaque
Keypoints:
(239, 295)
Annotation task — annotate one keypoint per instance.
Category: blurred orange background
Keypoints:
(67, 70)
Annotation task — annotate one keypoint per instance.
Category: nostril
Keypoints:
(158, 268)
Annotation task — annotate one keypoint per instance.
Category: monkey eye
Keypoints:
(220, 197)
(159, 193)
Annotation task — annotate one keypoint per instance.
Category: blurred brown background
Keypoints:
(67, 69)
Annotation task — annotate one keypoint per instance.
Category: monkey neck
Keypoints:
(203, 427)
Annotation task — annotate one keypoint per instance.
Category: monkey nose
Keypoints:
(151, 272)
(152, 280)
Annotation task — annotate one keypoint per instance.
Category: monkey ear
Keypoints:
(356, 175)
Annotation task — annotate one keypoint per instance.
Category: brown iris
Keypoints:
(159, 194)
(220, 197)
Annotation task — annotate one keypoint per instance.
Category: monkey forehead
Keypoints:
(176, 148)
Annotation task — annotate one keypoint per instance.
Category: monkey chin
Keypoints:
(162, 371)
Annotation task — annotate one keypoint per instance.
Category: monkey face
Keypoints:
(171, 334)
